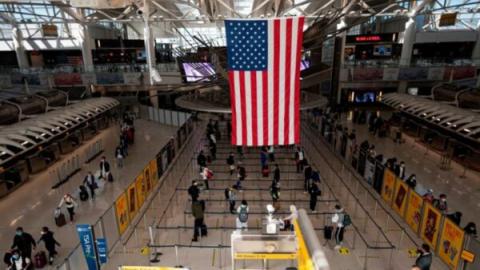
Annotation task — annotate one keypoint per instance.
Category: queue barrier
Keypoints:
(126, 210)
(444, 237)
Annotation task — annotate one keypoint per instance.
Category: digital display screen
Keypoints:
(365, 97)
(198, 72)
(382, 50)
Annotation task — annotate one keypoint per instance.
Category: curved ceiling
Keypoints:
(461, 121)
(18, 138)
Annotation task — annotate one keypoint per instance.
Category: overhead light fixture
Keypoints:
(25, 143)
(467, 130)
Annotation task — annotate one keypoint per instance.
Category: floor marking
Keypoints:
(35, 205)
(14, 221)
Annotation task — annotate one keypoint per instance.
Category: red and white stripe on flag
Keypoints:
(266, 103)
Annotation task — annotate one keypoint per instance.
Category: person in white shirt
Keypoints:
(19, 262)
(242, 218)
(288, 221)
(70, 204)
(206, 174)
(337, 220)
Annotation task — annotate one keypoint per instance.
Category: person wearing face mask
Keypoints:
(50, 243)
(19, 261)
(24, 242)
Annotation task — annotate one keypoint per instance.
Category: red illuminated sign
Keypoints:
(368, 38)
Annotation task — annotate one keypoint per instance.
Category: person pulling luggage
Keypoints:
(70, 204)
(50, 243)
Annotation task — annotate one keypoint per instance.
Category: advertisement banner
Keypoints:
(102, 250)
(362, 159)
(132, 201)
(369, 170)
(378, 177)
(153, 172)
(390, 74)
(400, 197)
(430, 225)
(121, 209)
(140, 187)
(88, 245)
(67, 79)
(388, 186)
(147, 180)
(159, 164)
(414, 211)
(451, 243)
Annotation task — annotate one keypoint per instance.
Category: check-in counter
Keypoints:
(12, 177)
(88, 132)
(41, 160)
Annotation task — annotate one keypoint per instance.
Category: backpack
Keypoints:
(347, 220)
(243, 214)
(83, 194)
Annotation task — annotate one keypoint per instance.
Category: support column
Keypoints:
(150, 53)
(82, 35)
(408, 41)
(17, 36)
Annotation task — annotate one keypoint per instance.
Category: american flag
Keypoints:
(264, 74)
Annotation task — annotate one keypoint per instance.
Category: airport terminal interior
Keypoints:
(239, 134)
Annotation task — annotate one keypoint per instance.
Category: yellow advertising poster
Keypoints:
(414, 211)
(430, 225)
(400, 198)
(121, 209)
(388, 186)
(147, 180)
(132, 201)
(140, 187)
(451, 243)
(153, 171)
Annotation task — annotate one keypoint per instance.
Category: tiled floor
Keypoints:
(175, 226)
(32, 205)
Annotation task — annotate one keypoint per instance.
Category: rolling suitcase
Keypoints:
(60, 220)
(40, 259)
(327, 232)
(265, 171)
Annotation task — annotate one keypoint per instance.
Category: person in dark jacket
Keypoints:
(276, 174)
(23, 242)
(307, 171)
(241, 174)
(424, 261)
(194, 191)
(471, 229)
(104, 167)
(198, 212)
(7, 258)
(50, 243)
(231, 163)
(314, 192)
(201, 159)
(90, 182)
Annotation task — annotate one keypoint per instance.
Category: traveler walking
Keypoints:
(424, 260)
(201, 160)
(104, 167)
(241, 175)
(23, 242)
(314, 192)
(91, 183)
(275, 194)
(231, 163)
(230, 192)
(242, 218)
(206, 175)
(199, 227)
(263, 158)
(50, 243)
(307, 171)
(276, 174)
(70, 204)
(119, 155)
(271, 153)
(194, 191)
(20, 261)
(213, 151)
(299, 158)
(338, 221)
